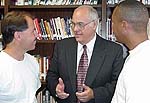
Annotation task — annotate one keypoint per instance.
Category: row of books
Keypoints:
(0, 30)
(148, 29)
(109, 32)
(45, 97)
(0, 46)
(146, 2)
(59, 28)
(48, 30)
(113, 1)
(44, 63)
(55, 2)
(53, 29)
(2, 2)
(1, 16)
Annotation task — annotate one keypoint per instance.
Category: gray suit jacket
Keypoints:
(104, 68)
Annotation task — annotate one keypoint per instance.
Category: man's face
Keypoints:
(117, 26)
(84, 28)
(29, 36)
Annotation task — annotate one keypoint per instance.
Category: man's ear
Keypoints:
(125, 26)
(17, 35)
(95, 24)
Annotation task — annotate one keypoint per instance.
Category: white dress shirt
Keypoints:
(19, 80)
(90, 46)
(133, 84)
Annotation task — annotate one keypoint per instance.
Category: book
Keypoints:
(148, 28)
(2, 2)
(67, 23)
(63, 28)
(38, 29)
(47, 28)
(55, 30)
(1, 46)
(44, 34)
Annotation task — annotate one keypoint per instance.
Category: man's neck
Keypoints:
(14, 53)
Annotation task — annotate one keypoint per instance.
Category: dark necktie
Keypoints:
(82, 69)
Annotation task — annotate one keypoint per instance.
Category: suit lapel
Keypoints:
(96, 61)
(72, 62)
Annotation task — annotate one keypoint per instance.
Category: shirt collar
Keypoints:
(138, 47)
(90, 44)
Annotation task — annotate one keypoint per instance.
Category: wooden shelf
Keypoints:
(148, 6)
(46, 41)
(43, 82)
(48, 6)
(1, 7)
(111, 5)
(43, 85)
(42, 41)
(46, 47)
(43, 48)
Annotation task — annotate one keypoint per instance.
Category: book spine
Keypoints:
(38, 29)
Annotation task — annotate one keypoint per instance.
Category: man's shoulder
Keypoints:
(29, 56)
(108, 42)
(4, 56)
(66, 41)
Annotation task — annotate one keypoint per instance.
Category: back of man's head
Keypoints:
(135, 13)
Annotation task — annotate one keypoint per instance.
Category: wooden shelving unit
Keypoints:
(46, 47)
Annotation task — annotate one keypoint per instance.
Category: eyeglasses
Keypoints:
(80, 25)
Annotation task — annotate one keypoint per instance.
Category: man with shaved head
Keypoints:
(130, 19)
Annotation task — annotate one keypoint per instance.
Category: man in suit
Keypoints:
(105, 61)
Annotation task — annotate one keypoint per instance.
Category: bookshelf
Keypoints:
(1, 14)
(46, 47)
